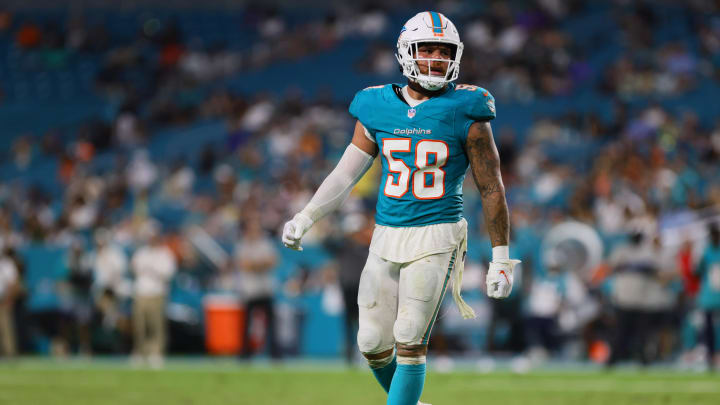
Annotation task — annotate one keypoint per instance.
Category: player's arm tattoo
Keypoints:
(485, 166)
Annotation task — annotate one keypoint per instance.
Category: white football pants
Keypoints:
(399, 302)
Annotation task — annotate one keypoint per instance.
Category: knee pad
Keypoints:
(407, 331)
(369, 340)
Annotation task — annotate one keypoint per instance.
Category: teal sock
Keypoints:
(407, 384)
(384, 375)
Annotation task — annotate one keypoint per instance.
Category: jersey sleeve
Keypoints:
(356, 106)
(357, 110)
(479, 107)
(364, 108)
(361, 106)
(483, 109)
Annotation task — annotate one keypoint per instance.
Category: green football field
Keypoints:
(38, 381)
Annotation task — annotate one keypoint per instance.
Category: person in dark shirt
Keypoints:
(350, 251)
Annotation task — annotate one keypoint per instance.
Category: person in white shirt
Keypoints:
(111, 284)
(110, 265)
(8, 286)
(256, 258)
(153, 266)
(634, 265)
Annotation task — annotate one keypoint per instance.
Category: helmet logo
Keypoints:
(437, 24)
(411, 113)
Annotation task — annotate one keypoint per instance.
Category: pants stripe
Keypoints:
(426, 335)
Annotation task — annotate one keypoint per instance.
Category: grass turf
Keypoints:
(47, 382)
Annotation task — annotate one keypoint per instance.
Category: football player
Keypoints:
(427, 133)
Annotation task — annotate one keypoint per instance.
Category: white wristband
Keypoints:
(304, 220)
(501, 253)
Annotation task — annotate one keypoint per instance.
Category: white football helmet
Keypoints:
(428, 26)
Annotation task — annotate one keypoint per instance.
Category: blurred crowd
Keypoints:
(642, 182)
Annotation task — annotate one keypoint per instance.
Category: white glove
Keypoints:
(294, 231)
(499, 278)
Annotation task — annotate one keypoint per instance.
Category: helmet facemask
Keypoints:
(407, 57)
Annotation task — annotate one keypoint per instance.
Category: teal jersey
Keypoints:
(422, 150)
(709, 272)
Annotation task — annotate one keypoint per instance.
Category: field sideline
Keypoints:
(187, 382)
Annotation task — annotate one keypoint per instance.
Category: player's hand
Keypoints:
(499, 278)
(294, 231)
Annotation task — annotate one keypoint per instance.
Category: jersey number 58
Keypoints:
(428, 177)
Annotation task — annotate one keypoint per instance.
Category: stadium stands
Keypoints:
(117, 119)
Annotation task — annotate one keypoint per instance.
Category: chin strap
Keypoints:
(431, 85)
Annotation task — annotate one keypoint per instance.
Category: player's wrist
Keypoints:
(304, 219)
(501, 253)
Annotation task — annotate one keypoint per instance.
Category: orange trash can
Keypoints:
(224, 321)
